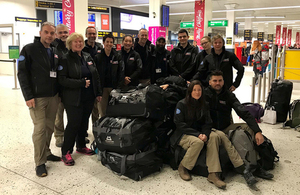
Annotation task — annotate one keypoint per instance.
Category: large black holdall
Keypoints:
(123, 135)
(135, 166)
(280, 97)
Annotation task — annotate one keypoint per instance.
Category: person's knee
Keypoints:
(197, 143)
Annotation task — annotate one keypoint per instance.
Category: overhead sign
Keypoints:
(69, 15)
(165, 10)
(284, 32)
(228, 40)
(260, 36)
(289, 37)
(104, 22)
(248, 35)
(98, 9)
(155, 32)
(270, 38)
(103, 33)
(34, 20)
(278, 34)
(199, 20)
(48, 4)
(186, 24)
(217, 23)
(13, 52)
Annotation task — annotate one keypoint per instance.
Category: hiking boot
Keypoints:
(41, 170)
(214, 178)
(52, 157)
(67, 159)
(85, 151)
(183, 173)
(250, 179)
(59, 141)
(261, 173)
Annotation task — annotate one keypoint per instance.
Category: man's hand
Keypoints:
(232, 88)
(127, 80)
(99, 98)
(203, 137)
(164, 87)
(87, 83)
(259, 138)
(30, 103)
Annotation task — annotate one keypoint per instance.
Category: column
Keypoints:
(81, 16)
(155, 12)
(261, 32)
(248, 24)
(230, 30)
(207, 17)
(271, 31)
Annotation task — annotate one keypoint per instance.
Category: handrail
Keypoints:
(7, 60)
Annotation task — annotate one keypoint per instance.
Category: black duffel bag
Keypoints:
(123, 135)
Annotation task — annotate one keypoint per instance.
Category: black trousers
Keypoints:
(78, 120)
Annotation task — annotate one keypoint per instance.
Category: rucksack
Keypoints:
(267, 153)
(294, 115)
(256, 110)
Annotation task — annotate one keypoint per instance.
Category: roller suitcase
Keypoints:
(280, 97)
(135, 166)
(123, 135)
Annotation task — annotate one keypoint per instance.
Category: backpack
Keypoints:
(294, 115)
(256, 110)
(242, 141)
(267, 153)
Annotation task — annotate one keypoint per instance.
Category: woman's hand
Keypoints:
(127, 80)
(203, 137)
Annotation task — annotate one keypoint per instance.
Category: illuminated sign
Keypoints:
(186, 24)
(217, 23)
(48, 4)
(34, 20)
(165, 10)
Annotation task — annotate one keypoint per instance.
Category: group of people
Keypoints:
(77, 75)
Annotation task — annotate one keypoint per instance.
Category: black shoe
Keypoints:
(250, 179)
(87, 140)
(52, 157)
(261, 173)
(41, 170)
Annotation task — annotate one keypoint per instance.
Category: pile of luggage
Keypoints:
(133, 138)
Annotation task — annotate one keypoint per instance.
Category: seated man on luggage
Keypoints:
(221, 101)
(194, 130)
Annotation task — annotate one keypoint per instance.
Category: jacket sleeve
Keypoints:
(65, 80)
(240, 70)
(181, 124)
(97, 79)
(136, 74)
(121, 73)
(202, 72)
(24, 75)
(173, 69)
(243, 113)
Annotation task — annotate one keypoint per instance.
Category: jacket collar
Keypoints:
(214, 53)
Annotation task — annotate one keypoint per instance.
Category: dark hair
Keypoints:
(90, 27)
(183, 31)
(194, 107)
(216, 73)
(108, 36)
(128, 36)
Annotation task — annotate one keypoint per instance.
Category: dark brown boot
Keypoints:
(214, 178)
(183, 172)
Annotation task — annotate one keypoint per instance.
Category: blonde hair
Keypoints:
(255, 45)
(218, 37)
(71, 38)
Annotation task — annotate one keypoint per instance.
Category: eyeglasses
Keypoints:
(202, 44)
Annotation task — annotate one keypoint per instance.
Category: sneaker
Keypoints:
(260, 172)
(67, 159)
(250, 179)
(59, 142)
(214, 178)
(41, 170)
(85, 151)
(52, 157)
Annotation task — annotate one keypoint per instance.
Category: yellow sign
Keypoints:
(34, 20)
(102, 33)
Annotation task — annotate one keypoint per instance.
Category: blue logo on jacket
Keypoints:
(178, 111)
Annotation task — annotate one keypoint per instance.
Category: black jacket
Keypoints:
(221, 106)
(199, 58)
(34, 71)
(88, 49)
(190, 125)
(223, 62)
(60, 46)
(182, 61)
(133, 66)
(145, 60)
(69, 76)
(117, 65)
(160, 59)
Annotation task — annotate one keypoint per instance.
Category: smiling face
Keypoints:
(108, 44)
(143, 36)
(127, 43)
(77, 45)
(197, 92)
(205, 44)
(62, 33)
(91, 35)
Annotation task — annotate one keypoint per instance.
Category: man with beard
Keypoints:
(160, 60)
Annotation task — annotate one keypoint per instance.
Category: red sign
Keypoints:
(104, 22)
(297, 38)
(289, 38)
(284, 31)
(278, 33)
(69, 14)
(118, 47)
(199, 20)
(155, 32)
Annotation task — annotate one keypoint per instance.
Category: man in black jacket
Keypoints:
(223, 60)
(62, 33)
(144, 47)
(221, 101)
(91, 46)
(37, 76)
(160, 60)
(183, 56)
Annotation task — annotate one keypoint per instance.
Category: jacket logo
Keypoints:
(56, 56)
(89, 63)
(178, 111)
(226, 60)
(188, 53)
(21, 58)
(115, 62)
(165, 59)
(98, 51)
(222, 102)
(60, 67)
(132, 58)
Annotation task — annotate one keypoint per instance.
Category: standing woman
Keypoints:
(81, 85)
(256, 52)
(110, 67)
(132, 61)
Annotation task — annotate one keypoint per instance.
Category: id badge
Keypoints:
(158, 70)
(52, 74)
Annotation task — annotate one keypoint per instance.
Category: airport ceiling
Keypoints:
(290, 16)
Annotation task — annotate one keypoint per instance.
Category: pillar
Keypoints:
(155, 12)
(230, 30)
(248, 24)
(81, 16)
(207, 17)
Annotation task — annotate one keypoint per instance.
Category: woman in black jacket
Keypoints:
(80, 86)
(132, 61)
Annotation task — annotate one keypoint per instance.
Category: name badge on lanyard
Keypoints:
(53, 74)
(158, 70)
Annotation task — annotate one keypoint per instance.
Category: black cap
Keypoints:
(159, 38)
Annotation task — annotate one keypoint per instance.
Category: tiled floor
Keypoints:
(88, 176)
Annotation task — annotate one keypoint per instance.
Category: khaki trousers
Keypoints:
(193, 146)
(104, 101)
(59, 128)
(43, 118)
(216, 138)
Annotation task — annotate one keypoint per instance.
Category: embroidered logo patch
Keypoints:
(178, 111)
(188, 53)
(226, 60)
(56, 56)
(222, 102)
(21, 58)
(89, 63)
(131, 58)
(165, 59)
(60, 67)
